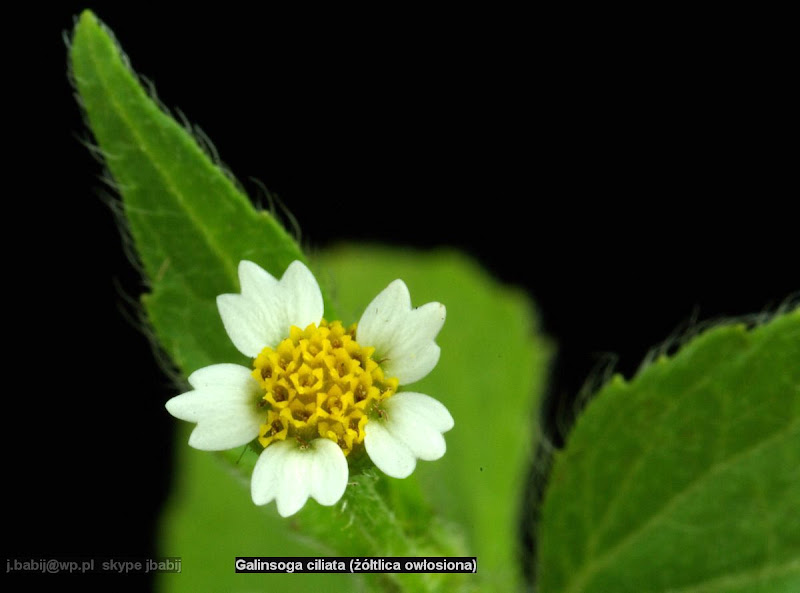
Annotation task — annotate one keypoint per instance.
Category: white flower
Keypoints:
(317, 391)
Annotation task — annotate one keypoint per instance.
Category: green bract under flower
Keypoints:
(316, 394)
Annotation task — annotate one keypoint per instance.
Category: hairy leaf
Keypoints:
(687, 478)
(190, 222)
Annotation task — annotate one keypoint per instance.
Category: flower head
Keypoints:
(318, 391)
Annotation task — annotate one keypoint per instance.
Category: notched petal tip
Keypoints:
(297, 267)
(302, 296)
(402, 336)
(298, 275)
(399, 289)
(251, 275)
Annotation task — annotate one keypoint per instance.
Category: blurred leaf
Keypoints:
(490, 376)
(190, 222)
(687, 478)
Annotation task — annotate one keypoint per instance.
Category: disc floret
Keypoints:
(319, 382)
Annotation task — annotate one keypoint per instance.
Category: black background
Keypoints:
(631, 182)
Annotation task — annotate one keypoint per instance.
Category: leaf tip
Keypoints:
(85, 20)
(85, 24)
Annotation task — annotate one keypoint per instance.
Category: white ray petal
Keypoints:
(294, 484)
(267, 472)
(408, 424)
(328, 473)
(289, 474)
(390, 455)
(302, 296)
(223, 405)
(266, 308)
(403, 337)
(423, 408)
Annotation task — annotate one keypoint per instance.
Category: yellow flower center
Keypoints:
(319, 382)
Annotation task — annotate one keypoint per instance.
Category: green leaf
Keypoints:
(490, 376)
(190, 222)
(687, 478)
